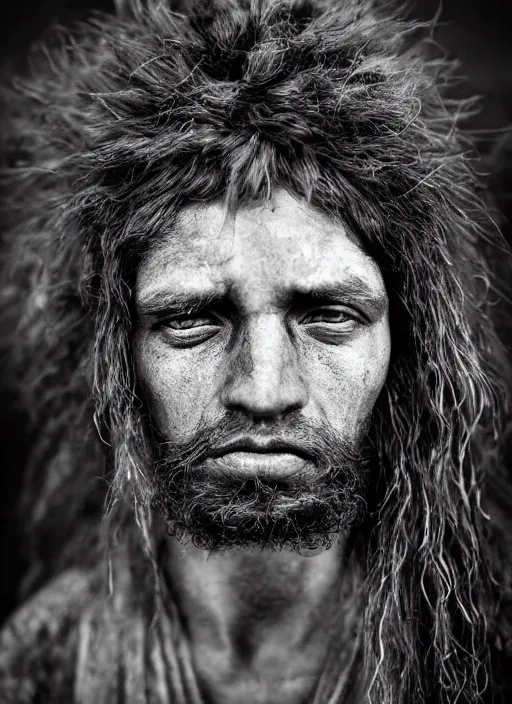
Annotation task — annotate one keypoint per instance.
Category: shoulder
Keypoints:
(38, 642)
(82, 639)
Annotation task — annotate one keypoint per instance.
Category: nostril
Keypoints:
(270, 399)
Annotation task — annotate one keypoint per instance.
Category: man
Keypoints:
(248, 242)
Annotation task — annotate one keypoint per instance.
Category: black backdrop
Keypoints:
(478, 33)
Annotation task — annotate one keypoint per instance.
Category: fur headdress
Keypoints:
(128, 118)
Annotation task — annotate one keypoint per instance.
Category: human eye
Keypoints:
(189, 329)
(331, 323)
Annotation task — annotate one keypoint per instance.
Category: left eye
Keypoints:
(328, 315)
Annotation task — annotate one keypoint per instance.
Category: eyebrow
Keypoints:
(353, 290)
(179, 302)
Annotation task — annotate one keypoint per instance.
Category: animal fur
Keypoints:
(123, 121)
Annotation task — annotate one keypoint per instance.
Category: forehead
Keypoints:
(275, 246)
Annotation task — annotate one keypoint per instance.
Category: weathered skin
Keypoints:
(258, 621)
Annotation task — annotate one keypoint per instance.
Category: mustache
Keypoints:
(313, 440)
(218, 509)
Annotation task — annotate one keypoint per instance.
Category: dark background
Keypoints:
(477, 32)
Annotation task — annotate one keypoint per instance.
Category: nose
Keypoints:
(263, 379)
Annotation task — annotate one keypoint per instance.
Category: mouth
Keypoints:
(272, 458)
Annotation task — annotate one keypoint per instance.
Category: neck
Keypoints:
(259, 622)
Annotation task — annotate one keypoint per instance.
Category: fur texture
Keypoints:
(127, 119)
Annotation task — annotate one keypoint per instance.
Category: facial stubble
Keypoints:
(217, 509)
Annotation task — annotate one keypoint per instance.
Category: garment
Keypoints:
(90, 637)
(93, 637)
(38, 644)
(76, 642)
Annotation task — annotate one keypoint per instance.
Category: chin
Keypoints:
(256, 511)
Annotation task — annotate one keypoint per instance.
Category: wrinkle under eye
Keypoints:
(333, 325)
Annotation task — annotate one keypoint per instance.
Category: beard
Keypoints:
(217, 508)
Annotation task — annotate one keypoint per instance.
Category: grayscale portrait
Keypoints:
(254, 288)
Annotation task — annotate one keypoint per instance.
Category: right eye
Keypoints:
(188, 330)
(188, 322)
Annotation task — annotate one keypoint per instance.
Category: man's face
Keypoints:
(270, 314)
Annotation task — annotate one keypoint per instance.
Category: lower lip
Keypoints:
(271, 464)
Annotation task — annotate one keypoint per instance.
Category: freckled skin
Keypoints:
(258, 620)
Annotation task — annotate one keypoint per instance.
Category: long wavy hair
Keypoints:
(120, 123)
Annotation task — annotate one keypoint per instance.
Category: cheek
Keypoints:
(176, 389)
(346, 381)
